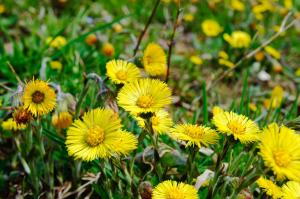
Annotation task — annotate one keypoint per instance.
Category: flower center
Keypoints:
(194, 132)
(38, 97)
(154, 120)
(175, 194)
(121, 75)
(145, 101)
(236, 127)
(94, 136)
(282, 158)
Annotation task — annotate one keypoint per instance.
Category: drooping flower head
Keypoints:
(38, 97)
(194, 134)
(238, 39)
(291, 190)
(269, 187)
(160, 120)
(280, 150)
(241, 127)
(62, 120)
(121, 72)
(144, 96)
(211, 28)
(98, 135)
(174, 190)
(154, 60)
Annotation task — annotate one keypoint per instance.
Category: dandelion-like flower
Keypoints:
(269, 187)
(280, 150)
(38, 97)
(195, 134)
(174, 190)
(121, 72)
(241, 127)
(154, 60)
(276, 98)
(161, 122)
(238, 39)
(57, 42)
(11, 125)
(291, 190)
(144, 95)
(211, 28)
(98, 135)
(62, 120)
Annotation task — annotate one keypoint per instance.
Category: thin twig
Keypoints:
(171, 44)
(253, 52)
(14, 72)
(146, 27)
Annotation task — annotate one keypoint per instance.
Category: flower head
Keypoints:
(57, 65)
(98, 135)
(91, 39)
(273, 52)
(237, 5)
(280, 150)
(57, 42)
(196, 60)
(62, 120)
(144, 95)
(108, 49)
(211, 28)
(174, 190)
(241, 127)
(12, 125)
(195, 134)
(121, 72)
(22, 116)
(291, 190)
(269, 187)
(238, 39)
(276, 98)
(154, 60)
(38, 97)
(160, 120)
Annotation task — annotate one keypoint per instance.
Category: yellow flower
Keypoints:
(194, 134)
(226, 62)
(273, 52)
(216, 110)
(238, 39)
(98, 135)
(196, 60)
(57, 42)
(154, 60)
(276, 97)
(91, 39)
(161, 122)
(291, 190)
(298, 72)
(280, 150)
(173, 190)
(269, 187)
(108, 49)
(121, 72)
(11, 125)
(237, 5)
(2, 8)
(239, 126)
(62, 120)
(259, 56)
(56, 65)
(252, 107)
(222, 54)
(144, 95)
(188, 17)
(211, 28)
(117, 28)
(288, 4)
(38, 97)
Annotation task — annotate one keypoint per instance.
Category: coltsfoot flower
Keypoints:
(211, 28)
(154, 60)
(238, 39)
(269, 187)
(62, 120)
(11, 125)
(291, 190)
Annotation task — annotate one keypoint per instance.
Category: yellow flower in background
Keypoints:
(11, 125)
(241, 127)
(259, 56)
(2, 8)
(226, 62)
(108, 49)
(62, 120)
(222, 54)
(237, 5)
(98, 135)
(269, 187)
(57, 65)
(216, 110)
(91, 39)
(154, 60)
(176, 190)
(117, 28)
(38, 97)
(288, 4)
(277, 68)
(161, 122)
(188, 17)
(273, 52)
(196, 60)
(291, 190)
(57, 42)
(211, 28)
(238, 39)
(144, 95)
(280, 150)
(298, 72)
(252, 107)
(276, 98)
(122, 72)
(194, 134)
